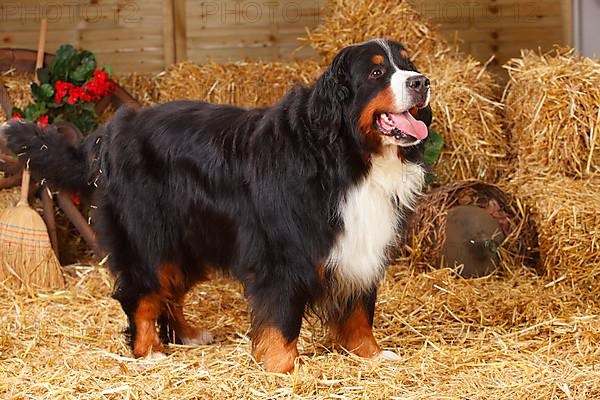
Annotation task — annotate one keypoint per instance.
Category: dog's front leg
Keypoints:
(277, 312)
(353, 330)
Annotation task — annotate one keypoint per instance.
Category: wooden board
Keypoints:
(146, 36)
(500, 28)
(246, 29)
(128, 35)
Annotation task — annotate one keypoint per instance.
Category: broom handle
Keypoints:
(39, 62)
(46, 196)
(24, 188)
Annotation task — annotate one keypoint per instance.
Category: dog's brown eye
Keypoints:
(377, 73)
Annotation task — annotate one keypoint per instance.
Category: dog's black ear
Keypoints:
(425, 115)
(330, 94)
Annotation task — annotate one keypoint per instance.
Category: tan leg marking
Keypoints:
(173, 287)
(355, 334)
(146, 338)
(189, 334)
(276, 353)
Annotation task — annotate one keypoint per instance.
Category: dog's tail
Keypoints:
(49, 155)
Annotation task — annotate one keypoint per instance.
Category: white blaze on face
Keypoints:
(398, 83)
(402, 96)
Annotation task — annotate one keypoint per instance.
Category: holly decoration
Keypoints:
(69, 89)
(433, 147)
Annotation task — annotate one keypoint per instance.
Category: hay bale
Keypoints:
(553, 105)
(466, 115)
(426, 233)
(8, 197)
(18, 88)
(143, 87)
(248, 84)
(353, 21)
(567, 213)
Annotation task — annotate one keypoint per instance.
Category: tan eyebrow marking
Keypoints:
(384, 45)
(378, 59)
(404, 53)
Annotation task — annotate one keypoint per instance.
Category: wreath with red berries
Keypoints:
(68, 90)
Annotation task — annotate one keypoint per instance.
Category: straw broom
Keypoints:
(25, 250)
(26, 253)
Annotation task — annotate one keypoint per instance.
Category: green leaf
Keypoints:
(65, 52)
(86, 67)
(79, 75)
(47, 90)
(85, 120)
(42, 93)
(36, 92)
(58, 70)
(109, 69)
(88, 59)
(65, 61)
(433, 147)
(16, 110)
(34, 111)
(43, 75)
(90, 107)
(54, 105)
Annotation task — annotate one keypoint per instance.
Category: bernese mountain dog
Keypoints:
(300, 201)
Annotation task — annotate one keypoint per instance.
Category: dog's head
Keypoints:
(376, 89)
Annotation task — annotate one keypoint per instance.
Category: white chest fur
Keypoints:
(371, 218)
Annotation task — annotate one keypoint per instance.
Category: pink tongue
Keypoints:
(406, 123)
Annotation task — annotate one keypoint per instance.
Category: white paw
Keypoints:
(155, 356)
(386, 355)
(204, 337)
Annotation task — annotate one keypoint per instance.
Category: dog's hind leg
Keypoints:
(142, 310)
(145, 337)
(185, 332)
(173, 287)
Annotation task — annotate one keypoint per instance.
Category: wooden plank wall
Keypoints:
(500, 27)
(148, 35)
(128, 35)
(225, 30)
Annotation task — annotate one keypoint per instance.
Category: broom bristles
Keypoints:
(27, 257)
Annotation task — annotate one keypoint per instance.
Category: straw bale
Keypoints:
(553, 105)
(489, 338)
(349, 22)
(425, 233)
(247, 84)
(18, 88)
(567, 213)
(8, 197)
(466, 115)
(143, 87)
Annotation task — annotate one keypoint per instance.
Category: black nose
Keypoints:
(420, 83)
